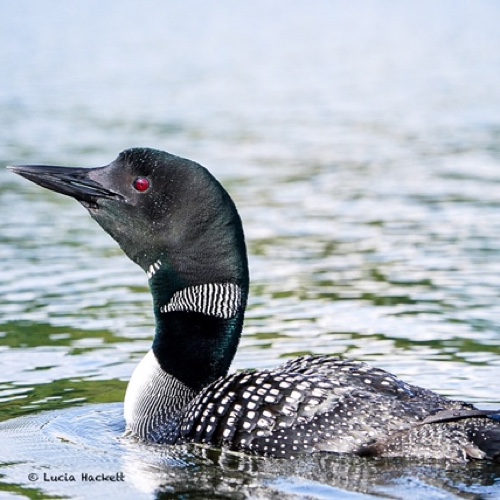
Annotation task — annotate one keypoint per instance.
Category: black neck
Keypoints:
(196, 341)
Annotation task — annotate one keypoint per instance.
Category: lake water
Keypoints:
(361, 144)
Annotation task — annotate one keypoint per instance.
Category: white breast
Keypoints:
(153, 397)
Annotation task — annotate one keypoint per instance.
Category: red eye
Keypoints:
(141, 184)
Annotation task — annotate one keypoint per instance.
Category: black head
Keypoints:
(158, 206)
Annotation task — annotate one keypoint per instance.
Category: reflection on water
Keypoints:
(361, 145)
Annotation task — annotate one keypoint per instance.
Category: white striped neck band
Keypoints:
(222, 300)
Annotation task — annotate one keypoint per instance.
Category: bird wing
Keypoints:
(312, 403)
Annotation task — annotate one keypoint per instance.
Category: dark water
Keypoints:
(361, 143)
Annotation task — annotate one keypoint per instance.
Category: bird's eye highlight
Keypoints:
(141, 184)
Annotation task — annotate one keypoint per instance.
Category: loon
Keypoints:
(176, 221)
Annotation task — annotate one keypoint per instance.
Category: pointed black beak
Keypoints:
(74, 182)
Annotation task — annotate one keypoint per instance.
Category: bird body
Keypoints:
(176, 221)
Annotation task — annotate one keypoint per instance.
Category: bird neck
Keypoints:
(198, 326)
